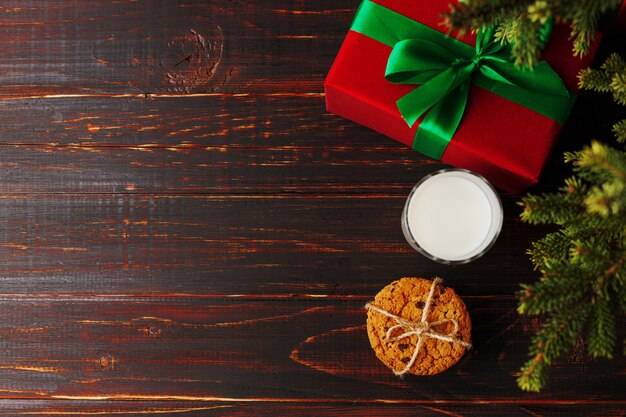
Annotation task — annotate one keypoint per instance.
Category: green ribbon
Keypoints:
(444, 68)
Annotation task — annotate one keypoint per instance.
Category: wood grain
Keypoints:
(302, 408)
(171, 47)
(203, 349)
(222, 145)
(324, 245)
(186, 231)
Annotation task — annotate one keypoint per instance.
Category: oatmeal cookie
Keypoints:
(406, 298)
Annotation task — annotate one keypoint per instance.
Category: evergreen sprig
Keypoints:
(522, 22)
(610, 78)
(583, 265)
(582, 287)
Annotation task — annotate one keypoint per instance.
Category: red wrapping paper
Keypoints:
(499, 139)
(619, 25)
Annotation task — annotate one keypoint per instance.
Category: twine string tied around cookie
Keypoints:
(423, 330)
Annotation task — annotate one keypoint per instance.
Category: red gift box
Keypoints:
(497, 138)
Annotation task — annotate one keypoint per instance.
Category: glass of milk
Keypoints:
(452, 216)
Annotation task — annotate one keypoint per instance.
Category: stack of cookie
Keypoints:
(418, 326)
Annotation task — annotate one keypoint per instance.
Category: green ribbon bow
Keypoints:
(444, 68)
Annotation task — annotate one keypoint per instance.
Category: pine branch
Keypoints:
(583, 265)
(534, 374)
(619, 129)
(618, 85)
(550, 294)
(594, 80)
(602, 288)
(475, 14)
(603, 80)
(603, 161)
(602, 330)
(610, 78)
(521, 22)
(543, 251)
(614, 63)
(526, 41)
(584, 21)
(549, 208)
(554, 339)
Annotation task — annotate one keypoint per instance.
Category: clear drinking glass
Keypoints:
(452, 216)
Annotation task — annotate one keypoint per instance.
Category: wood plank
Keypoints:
(216, 170)
(200, 145)
(297, 409)
(240, 350)
(300, 408)
(217, 145)
(255, 120)
(331, 245)
(169, 46)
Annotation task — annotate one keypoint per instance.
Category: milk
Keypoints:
(453, 216)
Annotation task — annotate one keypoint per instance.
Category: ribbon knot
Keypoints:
(422, 329)
(444, 72)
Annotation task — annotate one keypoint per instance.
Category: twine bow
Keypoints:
(423, 329)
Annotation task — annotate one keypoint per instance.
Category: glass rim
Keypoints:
(413, 242)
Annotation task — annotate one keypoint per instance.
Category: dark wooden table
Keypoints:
(186, 231)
